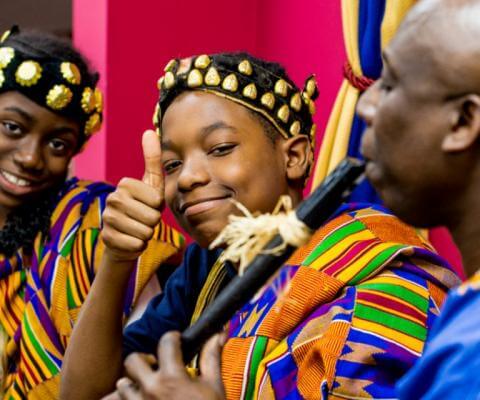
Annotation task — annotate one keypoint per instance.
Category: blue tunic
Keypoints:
(450, 365)
(173, 308)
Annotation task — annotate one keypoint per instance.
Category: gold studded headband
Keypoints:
(240, 78)
(55, 84)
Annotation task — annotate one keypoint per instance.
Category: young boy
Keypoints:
(348, 313)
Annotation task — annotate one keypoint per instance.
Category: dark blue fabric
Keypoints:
(450, 365)
(370, 19)
(173, 308)
(358, 126)
(371, 13)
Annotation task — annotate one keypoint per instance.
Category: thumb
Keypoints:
(152, 155)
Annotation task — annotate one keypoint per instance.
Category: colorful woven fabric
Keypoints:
(346, 317)
(42, 294)
(448, 369)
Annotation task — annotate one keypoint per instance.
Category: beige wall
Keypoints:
(54, 16)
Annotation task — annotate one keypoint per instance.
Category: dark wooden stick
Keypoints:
(314, 211)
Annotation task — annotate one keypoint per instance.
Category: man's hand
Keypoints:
(134, 209)
(171, 380)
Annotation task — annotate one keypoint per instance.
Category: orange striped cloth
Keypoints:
(345, 318)
(42, 294)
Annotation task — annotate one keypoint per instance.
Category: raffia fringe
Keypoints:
(245, 236)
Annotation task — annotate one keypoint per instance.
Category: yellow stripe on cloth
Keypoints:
(406, 341)
(340, 248)
(281, 348)
(398, 281)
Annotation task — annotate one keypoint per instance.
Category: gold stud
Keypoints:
(169, 80)
(311, 86)
(98, 100)
(313, 131)
(296, 102)
(70, 73)
(155, 118)
(59, 97)
(283, 113)
(88, 100)
(268, 100)
(172, 63)
(28, 73)
(281, 88)
(195, 78)
(230, 83)
(159, 82)
(2, 78)
(6, 55)
(5, 35)
(306, 98)
(311, 107)
(158, 132)
(245, 68)
(212, 78)
(295, 128)
(202, 61)
(93, 124)
(250, 91)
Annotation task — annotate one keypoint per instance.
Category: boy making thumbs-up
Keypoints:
(234, 127)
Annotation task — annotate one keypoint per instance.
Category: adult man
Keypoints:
(422, 147)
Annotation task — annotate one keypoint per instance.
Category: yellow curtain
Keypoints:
(335, 142)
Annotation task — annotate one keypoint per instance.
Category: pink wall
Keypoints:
(129, 43)
(129, 46)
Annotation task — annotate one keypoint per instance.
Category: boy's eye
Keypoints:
(222, 149)
(171, 166)
(12, 127)
(58, 145)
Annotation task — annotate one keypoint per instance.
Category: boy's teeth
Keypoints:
(13, 179)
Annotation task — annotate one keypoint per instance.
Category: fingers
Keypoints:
(112, 396)
(130, 217)
(210, 362)
(170, 355)
(138, 367)
(152, 155)
(140, 191)
(127, 390)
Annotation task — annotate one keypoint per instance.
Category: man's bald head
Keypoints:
(423, 115)
(446, 34)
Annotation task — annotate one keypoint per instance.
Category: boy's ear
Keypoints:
(465, 127)
(297, 152)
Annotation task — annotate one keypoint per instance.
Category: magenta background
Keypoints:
(130, 42)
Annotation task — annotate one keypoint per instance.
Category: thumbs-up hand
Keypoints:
(134, 209)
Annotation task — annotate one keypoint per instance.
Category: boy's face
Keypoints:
(407, 115)
(215, 151)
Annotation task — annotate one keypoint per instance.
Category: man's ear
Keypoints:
(465, 127)
(298, 155)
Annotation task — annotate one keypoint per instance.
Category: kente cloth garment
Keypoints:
(450, 365)
(344, 318)
(42, 294)
(193, 285)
